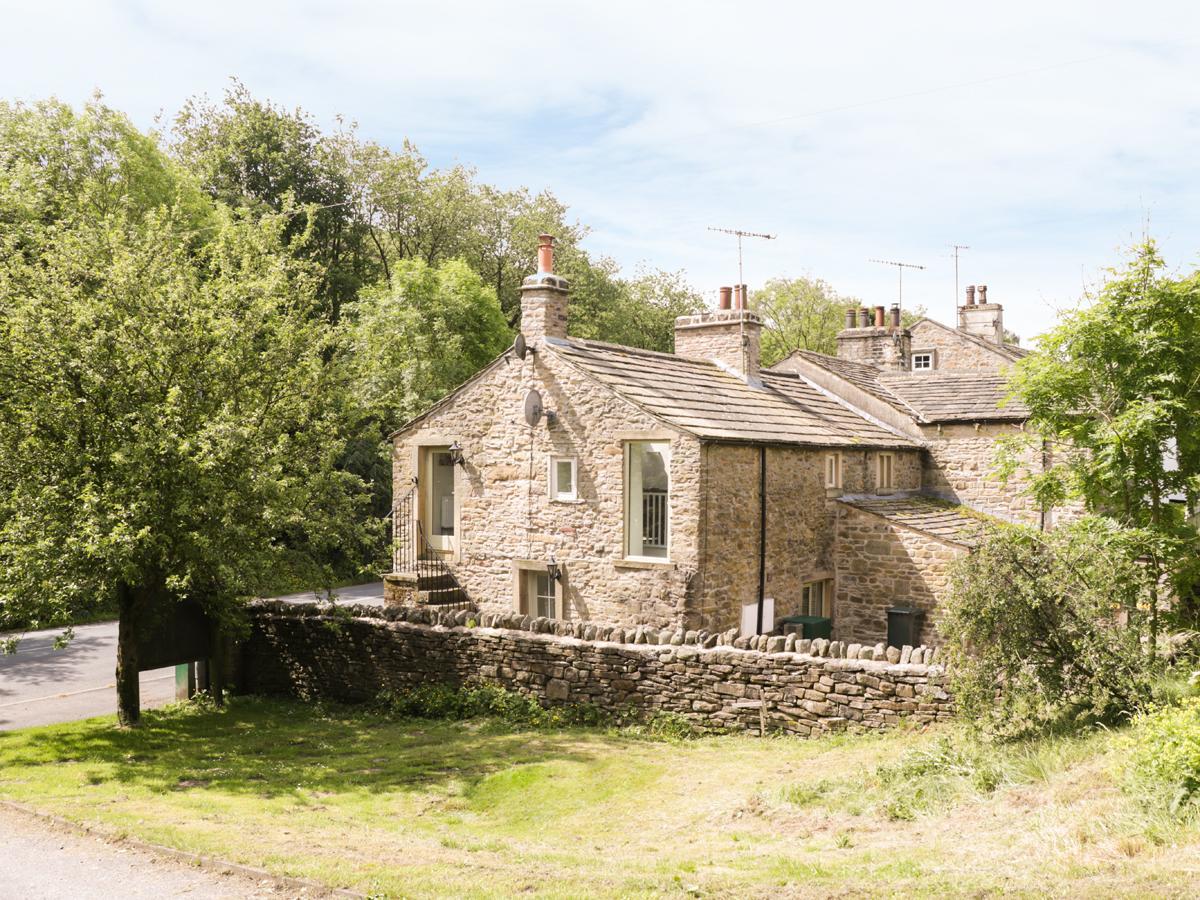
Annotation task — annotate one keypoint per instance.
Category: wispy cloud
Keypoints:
(1040, 134)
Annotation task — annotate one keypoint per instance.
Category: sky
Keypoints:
(1046, 137)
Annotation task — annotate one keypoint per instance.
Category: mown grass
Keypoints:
(480, 808)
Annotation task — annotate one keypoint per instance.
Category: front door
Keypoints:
(438, 520)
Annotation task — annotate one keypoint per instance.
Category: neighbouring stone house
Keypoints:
(577, 479)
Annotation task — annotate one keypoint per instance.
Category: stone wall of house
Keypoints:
(960, 467)
(504, 510)
(880, 565)
(300, 651)
(801, 524)
(953, 351)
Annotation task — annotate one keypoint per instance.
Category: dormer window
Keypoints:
(923, 361)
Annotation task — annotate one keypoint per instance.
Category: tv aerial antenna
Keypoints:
(900, 267)
(956, 248)
(739, 233)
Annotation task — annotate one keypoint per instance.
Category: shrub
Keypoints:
(1045, 629)
(1164, 763)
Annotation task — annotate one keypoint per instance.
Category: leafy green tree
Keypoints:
(170, 403)
(638, 312)
(417, 339)
(252, 154)
(1045, 629)
(799, 314)
(1114, 393)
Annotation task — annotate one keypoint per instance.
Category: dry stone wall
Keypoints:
(358, 653)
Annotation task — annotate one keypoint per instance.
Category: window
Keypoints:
(833, 470)
(922, 361)
(816, 598)
(562, 478)
(885, 472)
(647, 493)
(539, 596)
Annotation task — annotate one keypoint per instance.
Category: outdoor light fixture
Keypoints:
(456, 454)
(553, 569)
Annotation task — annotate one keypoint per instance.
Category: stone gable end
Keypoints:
(503, 509)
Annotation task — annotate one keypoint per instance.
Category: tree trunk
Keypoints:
(129, 705)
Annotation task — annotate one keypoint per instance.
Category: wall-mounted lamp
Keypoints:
(553, 569)
(456, 454)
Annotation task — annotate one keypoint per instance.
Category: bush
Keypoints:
(1164, 763)
(1045, 630)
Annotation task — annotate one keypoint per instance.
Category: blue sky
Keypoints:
(1043, 135)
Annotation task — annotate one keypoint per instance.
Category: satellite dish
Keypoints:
(519, 347)
(533, 408)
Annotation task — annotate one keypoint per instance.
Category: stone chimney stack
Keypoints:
(979, 317)
(730, 337)
(873, 336)
(544, 298)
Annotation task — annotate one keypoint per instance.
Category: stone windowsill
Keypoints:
(664, 565)
(576, 502)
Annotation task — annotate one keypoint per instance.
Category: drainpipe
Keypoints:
(762, 534)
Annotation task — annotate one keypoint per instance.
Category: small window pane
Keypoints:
(544, 588)
(564, 476)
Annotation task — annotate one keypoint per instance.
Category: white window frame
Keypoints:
(633, 513)
(885, 464)
(927, 354)
(525, 600)
(823, 587)
(833, 470)
(556, 493)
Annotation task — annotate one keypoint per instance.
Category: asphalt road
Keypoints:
(40, 861)
(42, 686)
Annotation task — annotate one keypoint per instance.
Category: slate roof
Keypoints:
(861, 375)
(939, 518)
(701, 398)
(929, 397)
(955, 396)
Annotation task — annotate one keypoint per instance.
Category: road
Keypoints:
(41, 686)
(41, 861)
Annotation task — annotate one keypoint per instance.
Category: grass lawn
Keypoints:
(477, 809)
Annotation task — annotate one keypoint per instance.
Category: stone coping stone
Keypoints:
(665, 652)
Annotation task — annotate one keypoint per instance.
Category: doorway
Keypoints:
(438, 499)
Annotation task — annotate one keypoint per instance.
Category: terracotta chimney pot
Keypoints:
(545, 253)
(726, 301)
(970, 295)
(879, 317)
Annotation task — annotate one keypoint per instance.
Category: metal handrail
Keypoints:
(412, 552)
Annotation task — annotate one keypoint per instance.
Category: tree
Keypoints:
(799, 314)
(1113, 392)
(171, 406)
(248, 153)
(1046, 628)
(417, 339)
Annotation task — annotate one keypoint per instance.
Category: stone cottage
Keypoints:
(577, 479)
